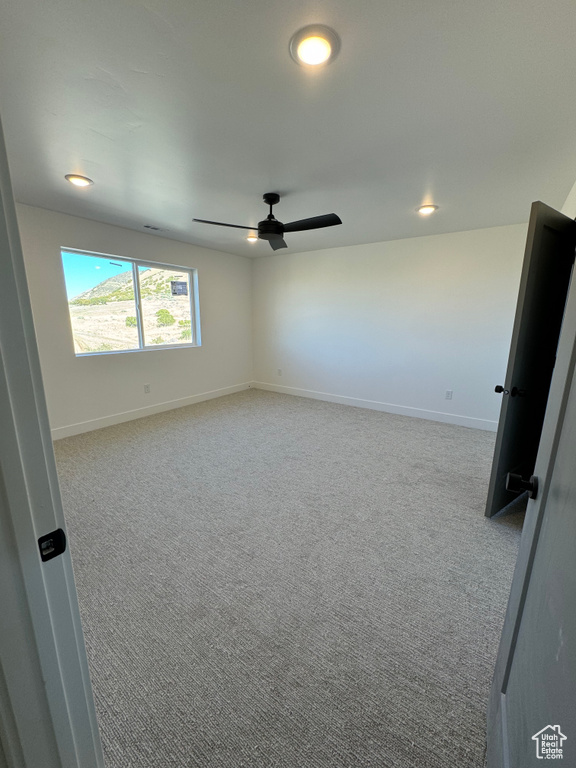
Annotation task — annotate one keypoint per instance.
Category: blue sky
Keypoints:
(84, 272)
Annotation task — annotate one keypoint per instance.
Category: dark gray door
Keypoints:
(544, 285)
(532, 712)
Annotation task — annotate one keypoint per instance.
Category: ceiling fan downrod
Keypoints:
(271, 198)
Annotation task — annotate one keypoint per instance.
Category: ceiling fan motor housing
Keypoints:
(270, 229)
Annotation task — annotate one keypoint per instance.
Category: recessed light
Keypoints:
(314, 50)
(78, 181)
(314, 45)
(426, 210)
(252, 238)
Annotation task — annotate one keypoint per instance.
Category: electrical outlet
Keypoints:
(279, 371)
(146, 389)
(449, 393)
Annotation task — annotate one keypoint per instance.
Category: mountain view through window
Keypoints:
(106, 315)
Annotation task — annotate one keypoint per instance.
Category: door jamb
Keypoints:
(47, 714)
(560, 385)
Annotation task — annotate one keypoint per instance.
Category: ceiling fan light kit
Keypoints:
(427, 210)
(314, 45)
(273, 230)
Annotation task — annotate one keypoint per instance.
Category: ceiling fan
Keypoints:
(273, 230)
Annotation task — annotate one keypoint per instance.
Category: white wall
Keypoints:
(90, 392)
(569, 207)
(393, 325)
(388, 325)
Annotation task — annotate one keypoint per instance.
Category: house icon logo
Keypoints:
(549, 743)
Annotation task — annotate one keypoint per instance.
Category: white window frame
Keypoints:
(196, 340)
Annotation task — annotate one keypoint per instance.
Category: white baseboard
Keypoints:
(402, 410)
(138, 413)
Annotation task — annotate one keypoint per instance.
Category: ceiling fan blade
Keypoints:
(316, 222)
(277, 242)
(221, 224)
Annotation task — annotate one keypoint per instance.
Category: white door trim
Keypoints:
(47, 715)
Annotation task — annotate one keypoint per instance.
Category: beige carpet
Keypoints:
(269, 581)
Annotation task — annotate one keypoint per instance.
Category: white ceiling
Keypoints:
(193, 108)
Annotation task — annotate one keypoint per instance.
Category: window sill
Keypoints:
(155, 348)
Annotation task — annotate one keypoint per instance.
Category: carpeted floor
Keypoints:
(269, 581)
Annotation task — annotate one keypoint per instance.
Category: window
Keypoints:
(123, 305)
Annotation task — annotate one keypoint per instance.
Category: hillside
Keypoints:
(153, 283)
(105, 318)
(115, 285)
